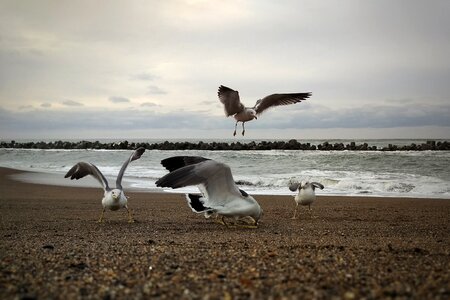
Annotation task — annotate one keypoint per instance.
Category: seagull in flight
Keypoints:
(220, 194)
(234, 107)
(113, 199)
(306, 193)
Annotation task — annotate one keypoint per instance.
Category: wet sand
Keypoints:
(351, 248)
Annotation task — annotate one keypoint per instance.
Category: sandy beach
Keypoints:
(351, 248)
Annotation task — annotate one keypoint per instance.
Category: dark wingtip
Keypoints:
(176, 162)
(196, 203)
(223, 88)
(243, 193)
(138, 153)
(173, 163)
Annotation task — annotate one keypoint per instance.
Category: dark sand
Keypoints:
(353, 247)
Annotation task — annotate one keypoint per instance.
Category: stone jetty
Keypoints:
(260, 145)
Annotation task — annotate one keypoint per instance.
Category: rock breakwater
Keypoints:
(261, 145)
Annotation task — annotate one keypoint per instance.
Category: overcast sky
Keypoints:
(142, 69)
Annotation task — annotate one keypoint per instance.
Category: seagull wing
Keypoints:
(317, 185)
(230, 100)
(293, 185)
(177, 162)
(136, 155)
(279, 99)
(83, 169)
(213, 177)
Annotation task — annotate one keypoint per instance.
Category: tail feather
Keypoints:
(196, 203)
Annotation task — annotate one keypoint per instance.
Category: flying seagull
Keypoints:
(113, 199)
(220, 194)
(306, 193)
(234, 107)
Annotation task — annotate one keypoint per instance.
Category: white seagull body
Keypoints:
(113, 199)
(306, 193)
(220, 194)
(234, 107)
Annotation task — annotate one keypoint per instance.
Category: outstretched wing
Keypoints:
(230, 100)
(279, 99)
(317, 185)
(293, 185)
(136, 155)
(177, 162)
(214, 177)
(83, 169)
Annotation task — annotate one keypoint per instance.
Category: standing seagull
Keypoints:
(306, 193)
(233, 105)
(113, 199)
(220, 194)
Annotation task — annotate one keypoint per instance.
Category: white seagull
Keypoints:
(220, 194)
(234, 107)
(306, 193)
(113, 199)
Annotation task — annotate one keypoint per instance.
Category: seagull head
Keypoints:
(115, 194)
(303, 184)
(252, 113)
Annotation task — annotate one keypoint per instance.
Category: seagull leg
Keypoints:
(243, 128)
(235, 127)
(310, 212)
(254, 225)
(130, 217)
(226, 224)
(219, 220)
(295, 212)
(101, 216)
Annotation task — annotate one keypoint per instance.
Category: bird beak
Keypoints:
(256, 117)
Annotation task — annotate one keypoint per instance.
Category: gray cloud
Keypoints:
(71, 103)
(154, 90)
(145, 76)
(46, 105)
(24, 107)
(115, 99)
(344, 55)
(148, 104)
(132, 119)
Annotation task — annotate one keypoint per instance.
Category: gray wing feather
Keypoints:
(293, 185)
(136, 155)
(83, 169)
(279, 99)
(231, 101)
(214, 177)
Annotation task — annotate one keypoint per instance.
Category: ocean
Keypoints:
(424, 174)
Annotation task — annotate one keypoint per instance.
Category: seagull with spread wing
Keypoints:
(114, 199)
(234, 107)
(306, 193)
(220, 194)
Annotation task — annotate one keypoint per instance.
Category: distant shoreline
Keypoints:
(430, 145)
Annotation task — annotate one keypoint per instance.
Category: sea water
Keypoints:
(375, 173)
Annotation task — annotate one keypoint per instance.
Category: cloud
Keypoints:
(148, 104)
(115, 99)
(145, 76)
(71, 103)
(25, 107)
(154, 90)
(370, 116)
(36, 121)
(185, 49)
(46, 105)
